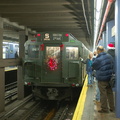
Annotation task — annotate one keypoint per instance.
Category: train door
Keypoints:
(82, 64)
(51, 71)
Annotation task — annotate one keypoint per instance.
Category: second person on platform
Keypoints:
(88, 63)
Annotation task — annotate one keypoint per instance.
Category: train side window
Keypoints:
(72, 53)
(33, 51)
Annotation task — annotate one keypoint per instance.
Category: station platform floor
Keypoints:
(87, 108)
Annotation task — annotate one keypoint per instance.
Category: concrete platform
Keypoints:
(87, 109)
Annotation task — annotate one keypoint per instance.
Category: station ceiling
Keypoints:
(71, 16)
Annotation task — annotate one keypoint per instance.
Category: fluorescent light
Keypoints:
(97, 14)
(98, 5)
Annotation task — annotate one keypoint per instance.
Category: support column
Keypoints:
(2, 78)
(1, 37)
(2, 90)
(104, 39)
(22, 38)
(117, 55)
(109, 26)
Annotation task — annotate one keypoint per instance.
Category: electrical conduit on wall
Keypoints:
(104, 18)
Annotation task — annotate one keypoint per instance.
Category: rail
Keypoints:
(10, 113)
(10, 90)
(10, 86)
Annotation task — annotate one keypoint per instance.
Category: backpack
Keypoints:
(112, 81)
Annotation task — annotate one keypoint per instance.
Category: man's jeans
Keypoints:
(97, 92)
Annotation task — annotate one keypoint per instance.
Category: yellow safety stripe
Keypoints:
(80, 105)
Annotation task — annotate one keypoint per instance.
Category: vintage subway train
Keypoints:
(52, 65)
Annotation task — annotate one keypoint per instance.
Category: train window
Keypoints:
(72, 53)
(33, 51)
(53, 52)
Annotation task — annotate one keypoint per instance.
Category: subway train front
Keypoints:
(52, 66)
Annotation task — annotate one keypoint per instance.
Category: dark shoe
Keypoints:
(111, 110)
(103, 111)
(98, 101)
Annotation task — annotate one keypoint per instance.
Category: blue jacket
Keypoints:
(88, 63)
(103, 64)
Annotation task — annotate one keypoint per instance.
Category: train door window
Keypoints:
(53, 52)
(33, 51)
(72, 53)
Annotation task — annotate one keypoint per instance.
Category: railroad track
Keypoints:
(7, 115)
(10, 92)
(37, 110)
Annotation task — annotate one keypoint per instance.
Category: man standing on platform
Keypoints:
(103, 64)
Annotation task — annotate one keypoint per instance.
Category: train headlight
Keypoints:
(27, 83)
(77, 85)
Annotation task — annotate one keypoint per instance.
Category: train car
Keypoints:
(52, 65)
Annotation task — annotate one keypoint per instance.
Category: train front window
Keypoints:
(53, 52)
(72, 53)
(33, 51)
